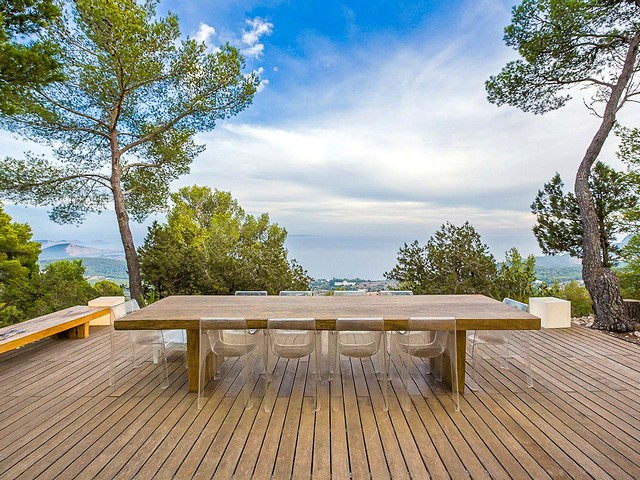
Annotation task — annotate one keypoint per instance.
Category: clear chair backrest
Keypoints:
(359, 337)
(118, 311)
(349, 293)
(427, 337)
(291, 337)
(396, 292)
(131, 305)
(228, 337)
(514, 303)
(296, 293)
(251, 293)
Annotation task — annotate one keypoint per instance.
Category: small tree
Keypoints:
(559, 229)
(18, 267)
(515, 277)
(27, 59)
(454, 260)
(588, 43)
(209, 245)
(122, 124)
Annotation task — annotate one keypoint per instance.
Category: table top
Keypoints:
(471, 311)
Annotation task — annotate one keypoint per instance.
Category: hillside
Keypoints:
(97, 269)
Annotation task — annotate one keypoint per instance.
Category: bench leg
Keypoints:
(81, 331)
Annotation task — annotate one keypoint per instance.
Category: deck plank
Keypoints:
(59, 418)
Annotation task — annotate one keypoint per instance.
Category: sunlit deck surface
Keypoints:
(60, 419)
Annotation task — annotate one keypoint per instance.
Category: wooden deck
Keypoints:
(60, 419)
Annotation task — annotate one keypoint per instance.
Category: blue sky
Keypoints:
(371, 129)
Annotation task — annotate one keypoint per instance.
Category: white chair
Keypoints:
(503, 339)
(428, 338)
(250, 293)
(296, 293)
(396, 292)
(290, 338)
(349, 293)
(359, 338)
(152, 338)
(227, 337)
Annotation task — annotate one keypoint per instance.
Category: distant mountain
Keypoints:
(62, 251)
(557, 261)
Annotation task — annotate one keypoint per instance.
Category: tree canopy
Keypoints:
(121, 125)
(209, 245)
(558, 228)
(25, 291)
(27, 58)
(592, 44)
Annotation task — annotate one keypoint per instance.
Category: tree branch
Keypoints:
(74, 112)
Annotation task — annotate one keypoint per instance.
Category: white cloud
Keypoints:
(255, 29)
(204, 34)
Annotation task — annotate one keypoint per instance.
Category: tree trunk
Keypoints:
(130, 254)
(601, 282)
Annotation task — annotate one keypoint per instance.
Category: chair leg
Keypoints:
(474, 365)
(527, 356)
(316, 362)
(406, 358)
(248, 370)
(385, 372)
(336, 390)
(505, 359)
(332, 345)
(112, 370)
(165, 376)
(453, 356)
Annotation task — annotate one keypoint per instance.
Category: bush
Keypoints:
(580, 299)
(107, 288)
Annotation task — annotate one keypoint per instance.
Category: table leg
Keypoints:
(461, 350)
(193, 354)
(461, 346)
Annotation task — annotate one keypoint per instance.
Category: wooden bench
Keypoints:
(71, 322)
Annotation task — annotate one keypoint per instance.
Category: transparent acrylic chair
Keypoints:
(358, 338)
(290, 338)
(250, 293)
(349, 293)
(152, 338)
(500, 339)
(396, 292)
(296, 293)
(428, 338)
(227, 337)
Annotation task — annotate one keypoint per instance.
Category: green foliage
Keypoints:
(107, 288)
(515, 277)
(629, 274)
(18, 267)
(60, 286)
(563, 44)
(133, 99)
(454, 260)
(122, 125)
(546, 290)
(579, 297)
(27, 59)
(559, 229)
(209, 245)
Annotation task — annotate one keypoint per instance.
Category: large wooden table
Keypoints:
(472, 312)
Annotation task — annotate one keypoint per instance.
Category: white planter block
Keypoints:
(553, 312)
(104, 302)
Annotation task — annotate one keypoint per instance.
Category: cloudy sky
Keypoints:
(371, 128)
